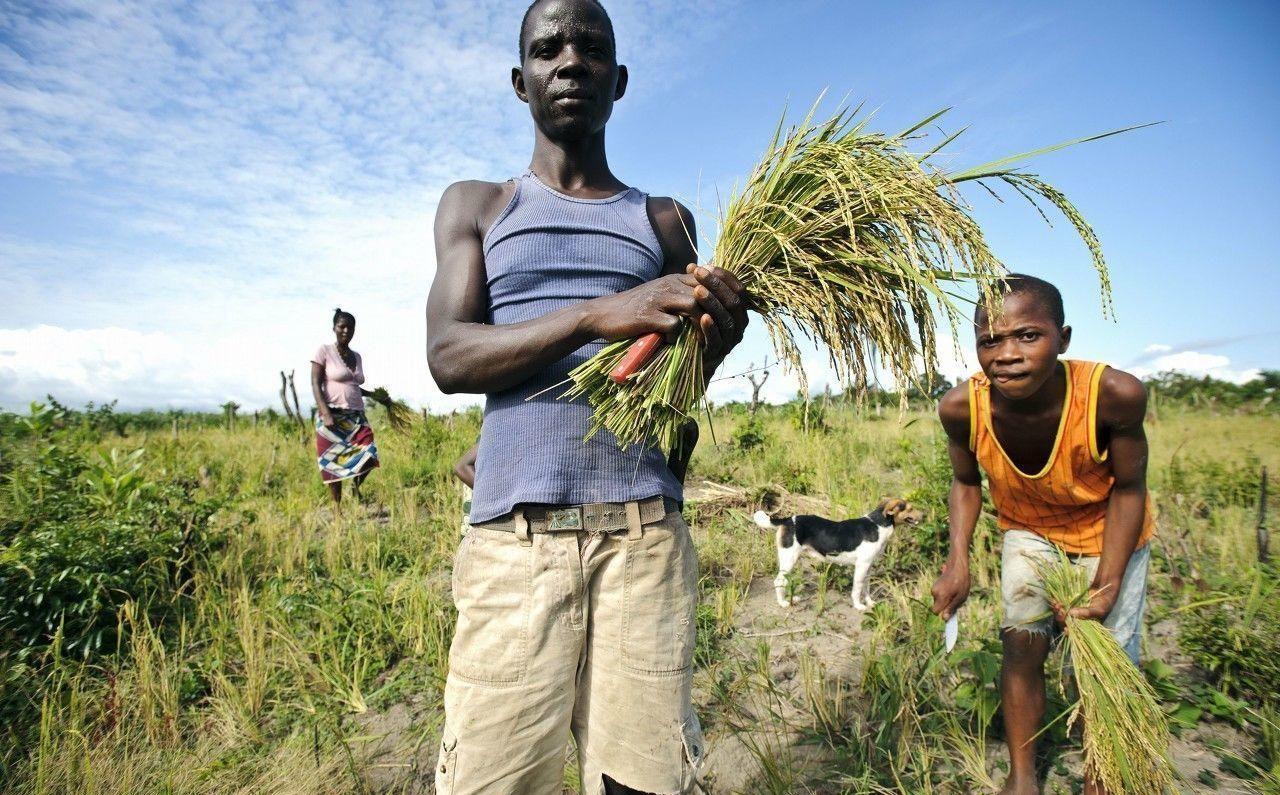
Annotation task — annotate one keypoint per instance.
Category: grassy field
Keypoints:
(194, 617)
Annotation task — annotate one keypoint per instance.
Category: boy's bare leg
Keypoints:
(1022, 701)
(335, 491)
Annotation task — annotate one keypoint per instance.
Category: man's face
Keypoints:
(569, 72)
(1019, 350)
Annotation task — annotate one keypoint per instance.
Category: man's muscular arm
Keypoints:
(466, 354)
(1122, 408)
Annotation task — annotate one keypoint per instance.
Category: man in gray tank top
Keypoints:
(576, 585)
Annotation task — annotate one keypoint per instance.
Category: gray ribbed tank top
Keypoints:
(546, 251)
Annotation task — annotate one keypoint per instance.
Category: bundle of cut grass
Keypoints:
(1126, 734)
(842, 236)
(399, 415)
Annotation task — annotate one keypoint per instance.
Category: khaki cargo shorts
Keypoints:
(1024, 605)
(573, 633)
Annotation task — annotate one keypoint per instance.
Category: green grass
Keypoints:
(262, 658)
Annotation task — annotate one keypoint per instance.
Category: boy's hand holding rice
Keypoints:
(1103, 598)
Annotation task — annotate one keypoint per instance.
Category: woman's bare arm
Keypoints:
(317, 392)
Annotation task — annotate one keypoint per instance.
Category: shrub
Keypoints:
(808, 415)
(1208, 391)
(798, 479)
(924, 546)
(79, 538)
(1235, 640)
(750, 435)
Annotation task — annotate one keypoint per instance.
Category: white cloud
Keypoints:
(160, 370)
(227, 173)
(1157, 348)
(1197, 364)
(100, 364)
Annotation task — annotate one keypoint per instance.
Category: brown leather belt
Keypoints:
(598, 517)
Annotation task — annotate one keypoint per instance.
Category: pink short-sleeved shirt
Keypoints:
(341, 383)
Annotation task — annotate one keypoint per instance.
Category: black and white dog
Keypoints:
(854, 542)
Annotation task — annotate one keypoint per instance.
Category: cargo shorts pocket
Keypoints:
(1023, 604)
(491, 588)
(447, 763)
(660, 598)
(695, 750)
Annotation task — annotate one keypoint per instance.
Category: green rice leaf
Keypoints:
(843, 237)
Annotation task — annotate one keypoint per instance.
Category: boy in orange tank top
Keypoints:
(1065, 454)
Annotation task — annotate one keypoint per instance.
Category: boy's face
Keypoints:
(569, 73)
(1018, 351)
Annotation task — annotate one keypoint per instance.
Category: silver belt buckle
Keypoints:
(564, 519)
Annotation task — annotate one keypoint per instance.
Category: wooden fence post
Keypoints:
(1264, 536)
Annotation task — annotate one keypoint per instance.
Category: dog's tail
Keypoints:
(784, 529)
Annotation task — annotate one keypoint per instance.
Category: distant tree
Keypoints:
(932, 386)
(1209, 391)
(229, 411)
(756, 386)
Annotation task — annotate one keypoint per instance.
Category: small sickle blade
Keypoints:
(951, 631)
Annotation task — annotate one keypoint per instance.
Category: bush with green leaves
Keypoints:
(750, 435)
(808, 414)
(924, 546)
(80, 536)
(1233, 637)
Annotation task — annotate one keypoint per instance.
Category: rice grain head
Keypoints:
(843, 237)
(1126, 734)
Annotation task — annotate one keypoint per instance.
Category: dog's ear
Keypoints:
(908, 513)
(894, 507)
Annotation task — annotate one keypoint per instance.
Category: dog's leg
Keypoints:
(787, 557)
(867, 601)
(863, 575)
(862, 568)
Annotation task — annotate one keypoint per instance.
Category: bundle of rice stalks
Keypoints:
(399, 415)
(1126, 734)
(842, 236)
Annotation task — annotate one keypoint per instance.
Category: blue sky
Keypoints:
(186, 191)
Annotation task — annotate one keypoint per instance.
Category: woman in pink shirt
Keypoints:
(344, 440)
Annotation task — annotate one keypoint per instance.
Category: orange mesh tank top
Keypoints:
(1066, 501)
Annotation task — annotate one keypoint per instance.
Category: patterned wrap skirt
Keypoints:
(347, 449)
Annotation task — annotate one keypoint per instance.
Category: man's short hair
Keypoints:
(528, 12)
(1042, 291)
